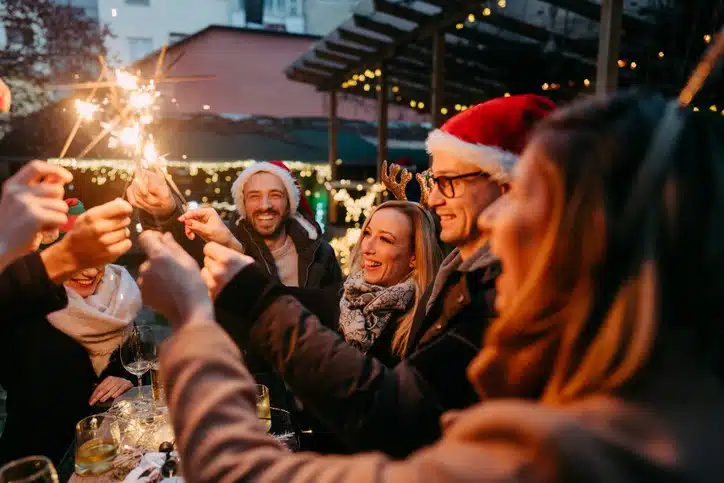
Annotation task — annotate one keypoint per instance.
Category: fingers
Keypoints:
(199, 228)
(110, 238)
(110, 225)
(140, 185)
(117, 208)
(37, 171)
(152, 244)
(100, 391)
(200, 214)
(48, 190)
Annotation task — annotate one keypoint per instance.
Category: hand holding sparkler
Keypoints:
(31, 202)
(151, 193)
(206, 223)
(99, 236)
(221, 264)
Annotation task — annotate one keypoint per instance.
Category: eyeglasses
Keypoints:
(453, 186)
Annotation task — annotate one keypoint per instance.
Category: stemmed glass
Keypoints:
(137, 353)
(158, 333)
(32, 469)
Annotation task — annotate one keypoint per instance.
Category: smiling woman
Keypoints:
(394, 262)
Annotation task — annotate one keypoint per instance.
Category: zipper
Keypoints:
(261, 254)
(309, 267)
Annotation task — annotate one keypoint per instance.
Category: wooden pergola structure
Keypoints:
(440, 56)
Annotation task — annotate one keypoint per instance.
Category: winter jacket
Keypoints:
(669, 431)
(366, 403)
(48, 376)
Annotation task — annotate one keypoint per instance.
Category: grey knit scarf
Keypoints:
(366, 309)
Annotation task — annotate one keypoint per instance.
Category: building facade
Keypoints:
(248, 66)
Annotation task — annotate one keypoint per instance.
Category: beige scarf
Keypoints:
(98, 322)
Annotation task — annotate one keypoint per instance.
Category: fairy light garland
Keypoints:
(343, 246)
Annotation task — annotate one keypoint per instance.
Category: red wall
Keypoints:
(249, 69)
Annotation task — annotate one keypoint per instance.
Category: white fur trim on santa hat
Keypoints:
(237, 193)
(237, 189)
(491, 159)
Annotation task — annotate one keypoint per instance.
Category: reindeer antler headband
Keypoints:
(397, 188)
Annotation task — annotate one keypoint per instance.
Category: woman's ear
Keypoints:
(413, 262)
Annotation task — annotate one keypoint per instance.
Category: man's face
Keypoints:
(266, 202)
(458, 215)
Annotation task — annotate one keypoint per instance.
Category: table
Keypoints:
(284, 429)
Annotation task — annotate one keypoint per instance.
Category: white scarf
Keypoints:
(98, 321)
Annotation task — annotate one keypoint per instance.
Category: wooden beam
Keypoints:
(436, 81)
(385, 29)
(355, 38)
(347, 50)
(399, 11)
(333, 57)
(323, 67)
(450, 15)
(333, 126)
(609, 43)
(382, 111)
(592, 11)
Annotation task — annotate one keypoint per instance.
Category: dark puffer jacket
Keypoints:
(366, 403)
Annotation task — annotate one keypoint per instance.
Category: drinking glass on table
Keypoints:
(137, 354)
(97, 440)
(31, 469)
(159, 333)
(263, 407)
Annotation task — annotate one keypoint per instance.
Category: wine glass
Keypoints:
(137, 353)
(158, 333)
(32, 469)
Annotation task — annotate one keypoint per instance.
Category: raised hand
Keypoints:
(150, 192)
(31, 202)
(98, 236)
(221, 264)
(206, 223)
(170, 281)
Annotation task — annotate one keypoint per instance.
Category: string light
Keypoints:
(621, 63)
(507, 94)
(707, 38)
(586, 82)
(459, 26)
(421, 105)
(661, 54)
(713, 108)
(633, 65)
(343, 246)
(486, 12)
(502, 3)
(443, 111)
(471, 18)
(545, 86)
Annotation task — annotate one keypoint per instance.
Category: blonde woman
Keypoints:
(394, 261)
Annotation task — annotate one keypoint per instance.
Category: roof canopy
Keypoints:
(497, 46)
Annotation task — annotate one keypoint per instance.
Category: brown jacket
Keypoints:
(601, 440)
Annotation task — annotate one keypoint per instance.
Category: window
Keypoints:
(145, 3)
(293, 8)
(139, 47)
(19, 37)
(87, 7)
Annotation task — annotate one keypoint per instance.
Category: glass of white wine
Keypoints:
(32, 469)
(263, 407)
(97, 440)
(137, 354)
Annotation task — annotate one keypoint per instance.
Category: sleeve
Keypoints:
(27, 291)
(212, 398)
(364, 402)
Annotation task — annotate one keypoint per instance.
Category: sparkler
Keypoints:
(124, 115)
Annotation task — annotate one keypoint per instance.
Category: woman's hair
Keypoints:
(632, 262)
(427, 254)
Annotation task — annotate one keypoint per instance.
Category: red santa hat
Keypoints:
(299, 208)
(491, 135)
(5, 97)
